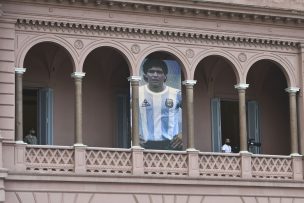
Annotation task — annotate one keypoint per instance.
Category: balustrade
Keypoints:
(139, 162)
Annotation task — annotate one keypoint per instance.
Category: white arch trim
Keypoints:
(45, 38)
(169, 49)
(237, 67)
(112, 44)
(285, 66)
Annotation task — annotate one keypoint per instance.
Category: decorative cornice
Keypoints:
(194, 8)
(152, 32)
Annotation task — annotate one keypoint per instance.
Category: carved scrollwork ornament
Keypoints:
(78, 44)
(135, 48)
(189, 53)
(242, 57)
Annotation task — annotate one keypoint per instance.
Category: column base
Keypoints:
(20, 142)
(79, 145)
(295, 154)
(191, 150)
(244, 152)
(137, 147)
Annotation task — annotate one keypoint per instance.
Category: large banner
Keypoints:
(160, 103)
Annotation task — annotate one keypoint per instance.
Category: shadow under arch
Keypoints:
(284, 66)
(168, 51)
(124, 52)
(48, 94)
(268, 105)
(46, 39)
(106, 98)
(216, 103)
(229, 58)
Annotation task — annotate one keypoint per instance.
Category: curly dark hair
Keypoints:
(149, 63)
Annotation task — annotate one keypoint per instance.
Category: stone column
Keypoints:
(293, 118)
(18, 104)
(241, 87)
(189, 107)
(134, 80)
(78, 106)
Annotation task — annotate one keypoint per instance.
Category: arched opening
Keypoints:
(106, 99)
(215, 104)
(267, 88)
(48, 94)
(160, 102)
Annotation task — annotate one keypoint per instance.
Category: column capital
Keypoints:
(134, 78)
(20, 70)
(78, 75)
(189, 82)
(292, 89)
(241, 86)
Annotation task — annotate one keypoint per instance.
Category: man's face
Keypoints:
(156, 77)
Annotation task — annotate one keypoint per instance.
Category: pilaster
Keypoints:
(301, 100)
(80, 161)
(193, 163)
(246, 171)
(297, 167)
(137, 161)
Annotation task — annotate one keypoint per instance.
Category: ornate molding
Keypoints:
(242, 57)
(197, 8)
(135, 48)
(187, 37)
(190, 53)
(78, 44)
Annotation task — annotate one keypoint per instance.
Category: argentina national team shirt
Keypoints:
(159, 113)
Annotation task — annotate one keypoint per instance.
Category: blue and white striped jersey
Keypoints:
(159, 113)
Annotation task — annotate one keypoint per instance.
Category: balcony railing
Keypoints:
(139, 162)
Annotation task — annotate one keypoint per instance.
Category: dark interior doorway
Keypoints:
(30, 110)
(230, 123)
(38, 114)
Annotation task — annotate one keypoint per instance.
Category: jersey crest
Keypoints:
(169, 103)
(145, 103)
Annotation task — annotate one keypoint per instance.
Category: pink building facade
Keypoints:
(66, 71)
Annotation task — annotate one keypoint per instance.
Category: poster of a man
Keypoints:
(159, 107)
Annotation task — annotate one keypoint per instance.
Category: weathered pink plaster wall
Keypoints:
(7, 80)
